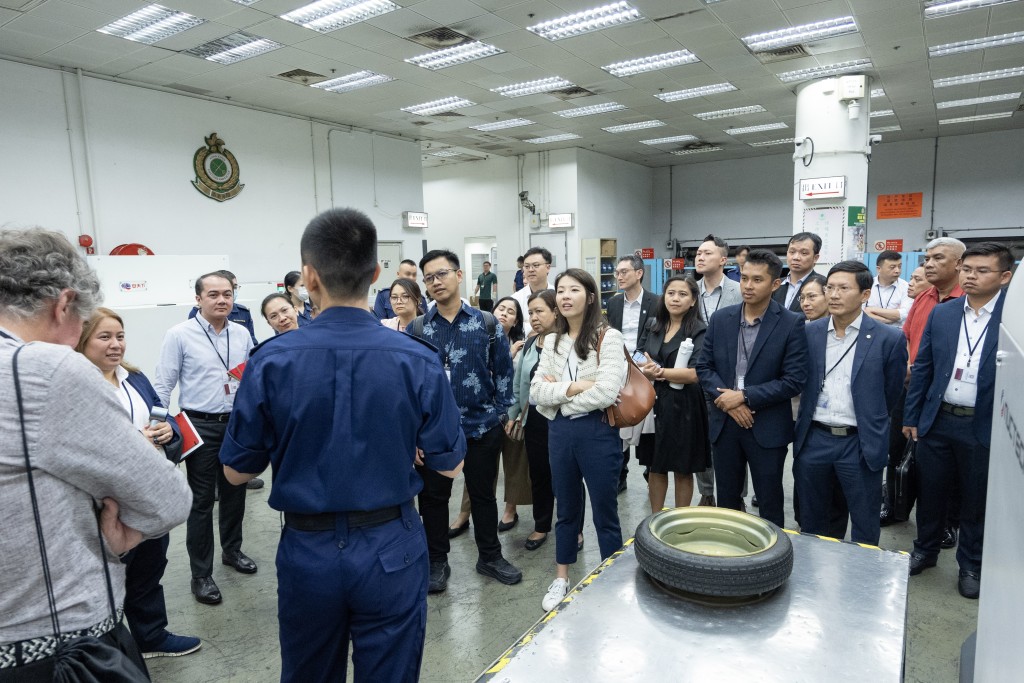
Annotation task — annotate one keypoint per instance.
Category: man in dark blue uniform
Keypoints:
(343, 409)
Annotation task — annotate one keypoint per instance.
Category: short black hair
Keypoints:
(229, 275)
(888, 255)
(270, 297)
(635, 262)
(719, 242)
(544, 253)
(487, 263)
(997, 249)
(200, 280)
(433, 254)
(341, 246)
(742, 248)
(859, 270)
(520, 259)
(408, 262)
(763, 256)
(802, 236)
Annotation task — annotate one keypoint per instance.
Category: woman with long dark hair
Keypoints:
(405, 301)
(295, 288)
(681, 444)
(580, 374)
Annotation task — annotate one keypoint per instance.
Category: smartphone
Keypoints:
(639, 358)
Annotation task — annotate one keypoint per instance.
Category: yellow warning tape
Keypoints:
(791, 532)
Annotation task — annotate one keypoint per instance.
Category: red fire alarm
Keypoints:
(86, 241)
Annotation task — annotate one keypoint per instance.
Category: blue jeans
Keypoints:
(585, 450)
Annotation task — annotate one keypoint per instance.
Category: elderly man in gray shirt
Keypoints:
(82, 450)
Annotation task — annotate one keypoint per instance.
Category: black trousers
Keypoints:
(486, 304)
(536, 439)
(144, 606)
(735, 450)
(480, 470)
(42, 671)
(205, 472)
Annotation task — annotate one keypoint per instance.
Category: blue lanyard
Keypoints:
(891, 294)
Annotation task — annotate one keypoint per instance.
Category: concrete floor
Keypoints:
(473, 623)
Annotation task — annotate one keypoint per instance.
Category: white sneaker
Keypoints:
(557, 591)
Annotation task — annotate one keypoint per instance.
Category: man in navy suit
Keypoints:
(753, 362)
(949, 410)
(857, 368)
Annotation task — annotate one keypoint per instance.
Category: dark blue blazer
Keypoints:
(879, 369)
(142, 385)
(776, 373)
(934, 366)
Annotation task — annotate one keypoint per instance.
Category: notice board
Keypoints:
(904, 205)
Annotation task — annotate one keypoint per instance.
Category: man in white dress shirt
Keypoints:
(536, 269)
(888, 291)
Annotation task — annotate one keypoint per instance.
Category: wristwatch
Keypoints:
(503, 418)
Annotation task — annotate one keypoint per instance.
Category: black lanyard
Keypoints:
(891, 295)
(131, 403)
(972, 348)
(7, 336)
(707, 316)
(845, 354)
(227, 331)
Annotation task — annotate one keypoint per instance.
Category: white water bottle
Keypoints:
(683, 359)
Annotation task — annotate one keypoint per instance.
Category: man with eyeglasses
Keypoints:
(382, 304)
(536, 269)
(949, 411)
(856, 367)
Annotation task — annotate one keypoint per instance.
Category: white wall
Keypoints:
(616, 199)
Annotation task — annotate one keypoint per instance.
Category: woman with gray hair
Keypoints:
(71, 468)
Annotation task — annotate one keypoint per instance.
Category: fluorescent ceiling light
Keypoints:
(150, 24)
(697, 150)
(795, 35)
(244, 2)
(755, 129)
(977, 100)
(976, 44)
(460, 54)
(769, 143)
(592, 109)
(653, 63)
(615, 14)
(979, 117)
(674, 138)
(533, 87)
(552, 138)
(877, 92)
(360, 79)
(944, 8)
(438, 106)
(886, 129)
(499, 125)
(445, 153)
(979, 77)
(726, 113)
(329, 15)
(822, 71)
(233, 48)
(882, 112)
(691, 93)
(641, 125)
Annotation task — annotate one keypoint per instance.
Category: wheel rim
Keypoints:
(715, 532)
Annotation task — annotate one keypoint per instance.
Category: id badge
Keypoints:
(967, 375)
(448, 373)
(823, 400)
(740, 384)
(230, 388)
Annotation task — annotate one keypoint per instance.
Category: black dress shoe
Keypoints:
(240, 562)
(579, 545)
(885, 516)
(456, 531)
(969, 584)
(622, 486)
(254, 484)
(439, 573)
(206, 590)
(919, 562)
(505, 526)
(534, 543)
(753, 501)
(500, 569)
(949, 538)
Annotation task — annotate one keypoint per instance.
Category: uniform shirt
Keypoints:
(835, 402)
(197, 358)
(631, 320)
(239, 314)
(519, 279)
(745, 341)
(974, 327)
(338, 409)
(522, 296)
(913, 327)
(486, 282)
(480, 371)
(305, 315)
(890, 297)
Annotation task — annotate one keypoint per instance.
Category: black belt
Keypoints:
(210, 417)
(959, 411)
(835, 431)
(328, 521)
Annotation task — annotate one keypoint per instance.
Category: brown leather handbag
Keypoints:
(636, 397)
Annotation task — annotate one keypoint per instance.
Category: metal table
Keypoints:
(841, 616)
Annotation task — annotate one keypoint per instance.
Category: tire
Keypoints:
(714, 551)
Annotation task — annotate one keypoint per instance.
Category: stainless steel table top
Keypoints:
(841, 616)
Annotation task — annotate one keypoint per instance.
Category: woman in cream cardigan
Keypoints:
(572, 388)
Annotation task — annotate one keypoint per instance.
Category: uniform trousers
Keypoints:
(947, 456)
(144, 606)
(367, 585)
(585, 449)
(736, 449)
(205, 475)
(824, 459)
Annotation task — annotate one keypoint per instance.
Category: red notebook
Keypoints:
(189, 436)
(237, 371)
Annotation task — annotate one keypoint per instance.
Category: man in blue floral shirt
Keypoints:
(476, 357)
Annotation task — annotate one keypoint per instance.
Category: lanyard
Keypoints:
(972, 348)
(131, 403)
(845, 354)
(6, 336)
(891, 294)
(703, 303)
(225, 363)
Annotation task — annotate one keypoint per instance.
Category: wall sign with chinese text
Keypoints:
(905, 205)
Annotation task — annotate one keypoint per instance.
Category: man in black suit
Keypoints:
(628, 312)
(803, 252)
(754, 360)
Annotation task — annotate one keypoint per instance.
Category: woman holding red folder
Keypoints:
(103, 343)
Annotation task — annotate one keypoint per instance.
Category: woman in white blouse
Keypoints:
(573, 386)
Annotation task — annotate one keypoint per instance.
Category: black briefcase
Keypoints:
(906, 483)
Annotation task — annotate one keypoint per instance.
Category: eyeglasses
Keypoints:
(810, 296)
(841, 289)
(535, 266)
(404, 298)
(623, 272)
(437, 275)
(980, 272)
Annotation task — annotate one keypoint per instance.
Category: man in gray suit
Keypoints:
(716, 291)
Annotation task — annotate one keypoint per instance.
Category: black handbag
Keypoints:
(86, 658)
(906, 483)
